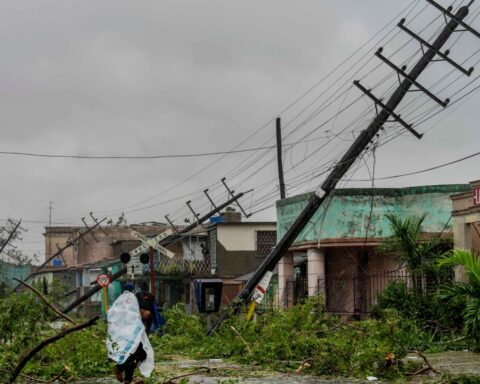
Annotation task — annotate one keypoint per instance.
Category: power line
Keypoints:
(133, 157)
(424, 170)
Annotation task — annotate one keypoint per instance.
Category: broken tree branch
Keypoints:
(200, 369)
(427, 366)
(46, 342)
(45, 300)
(36, 379)
(242, 339)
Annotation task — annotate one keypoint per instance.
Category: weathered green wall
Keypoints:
(349, 209)
(9, 271)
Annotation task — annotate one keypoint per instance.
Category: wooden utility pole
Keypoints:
(359, 145)
(281, 183)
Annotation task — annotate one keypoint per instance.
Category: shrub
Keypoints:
(302, 333)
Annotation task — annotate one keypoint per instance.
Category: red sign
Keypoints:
(476, 196)
(103, 280)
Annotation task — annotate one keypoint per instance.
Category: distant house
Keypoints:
(238, 248)
(337, 253)
(225, 248)
(9, 271)
(99, 252)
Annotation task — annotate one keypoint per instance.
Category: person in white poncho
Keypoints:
(127, 342)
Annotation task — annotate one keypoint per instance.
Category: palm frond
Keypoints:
(466, 259)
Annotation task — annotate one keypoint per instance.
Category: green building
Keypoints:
(337, 253)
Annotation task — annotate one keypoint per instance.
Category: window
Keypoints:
(266, 241)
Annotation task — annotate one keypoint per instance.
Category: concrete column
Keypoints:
(316, 272)
(462, 235)
(285, 273)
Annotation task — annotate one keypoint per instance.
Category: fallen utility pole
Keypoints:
(60, 251)
(340, 169)
(172, 239)
(176, 237)
(10, 235)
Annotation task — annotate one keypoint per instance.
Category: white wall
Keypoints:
(241, 237)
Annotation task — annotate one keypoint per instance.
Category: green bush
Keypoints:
(303, 333)
(25, 322)
(439, 320)
(409, 303)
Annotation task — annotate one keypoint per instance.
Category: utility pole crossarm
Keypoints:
(393, 114)
(59, 252)
(369, 133)
(205, 191)
(411, 79)
(10, 235)
(351, 155)
(455, 17)
(171, 239)
(174, 238)
(444, 56)
(230, 192)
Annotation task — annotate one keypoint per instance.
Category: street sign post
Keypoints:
(103, 281)
(152, 242)
(148, 243)
(135, 266)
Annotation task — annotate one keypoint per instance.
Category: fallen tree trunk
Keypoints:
(46, 342)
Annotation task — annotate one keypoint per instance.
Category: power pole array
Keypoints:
(170, 240)
(359, 145)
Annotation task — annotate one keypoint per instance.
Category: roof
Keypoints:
(360, 213)
(388, 192)
(244, 223)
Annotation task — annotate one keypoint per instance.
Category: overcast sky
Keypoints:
(141, 78)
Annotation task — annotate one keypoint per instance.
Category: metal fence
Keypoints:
(355, 295)
(179, 266)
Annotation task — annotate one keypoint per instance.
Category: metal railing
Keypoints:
(355, 295)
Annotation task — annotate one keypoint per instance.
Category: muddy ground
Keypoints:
(224, 372)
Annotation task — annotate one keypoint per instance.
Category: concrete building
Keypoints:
(9, 271)
(99, 252)
(337, 254)
(225, 248)
(466, 221)
(238, 248)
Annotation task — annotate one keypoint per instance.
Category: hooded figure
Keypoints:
(127, 341)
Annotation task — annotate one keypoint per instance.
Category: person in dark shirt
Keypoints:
(147, 309)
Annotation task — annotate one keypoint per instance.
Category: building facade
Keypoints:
(466, 222)
(238, 248)
(337, 255)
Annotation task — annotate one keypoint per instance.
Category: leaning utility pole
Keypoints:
(11, 235)
(69, 244)
(281, 183)
(172, 239)
(359, 145)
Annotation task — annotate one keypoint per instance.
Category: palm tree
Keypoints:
(413, 252)
(467, 293)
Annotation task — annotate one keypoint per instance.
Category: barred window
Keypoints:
(266, 241)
